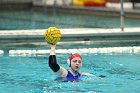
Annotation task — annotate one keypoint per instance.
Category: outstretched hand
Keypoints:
(51, 45)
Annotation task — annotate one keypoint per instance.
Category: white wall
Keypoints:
(51, 2)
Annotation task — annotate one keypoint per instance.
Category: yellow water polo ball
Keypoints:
(52, 35)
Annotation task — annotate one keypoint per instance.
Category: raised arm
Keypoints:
(53, 63)
(52, 59)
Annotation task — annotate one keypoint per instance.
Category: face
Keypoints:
(76, 63)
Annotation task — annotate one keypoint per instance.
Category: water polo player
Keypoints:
(74, 62)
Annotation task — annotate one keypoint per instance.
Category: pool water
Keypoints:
(39, 20)
(31, 74)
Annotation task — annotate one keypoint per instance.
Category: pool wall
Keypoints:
(25, 41)
(76, 34)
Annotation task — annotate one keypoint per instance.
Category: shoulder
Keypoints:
(86, 74)
(89, 74)
(62, 72)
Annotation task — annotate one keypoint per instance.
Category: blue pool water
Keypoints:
(31, 74)
(39, 20)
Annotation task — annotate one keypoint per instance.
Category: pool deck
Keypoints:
(111, 9)
(77, 34)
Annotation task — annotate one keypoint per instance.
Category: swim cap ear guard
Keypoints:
(68, 61)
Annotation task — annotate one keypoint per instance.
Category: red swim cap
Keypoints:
(73, 56)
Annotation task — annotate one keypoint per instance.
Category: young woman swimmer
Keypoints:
(74, 62)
